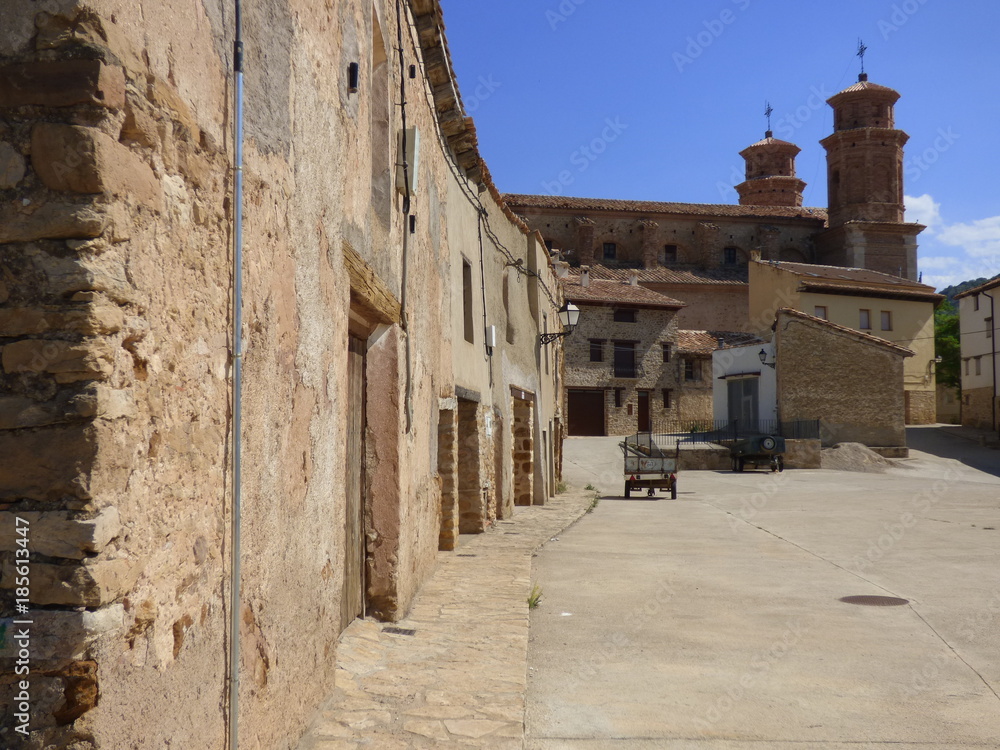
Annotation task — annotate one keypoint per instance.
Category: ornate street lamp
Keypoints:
(569, 316)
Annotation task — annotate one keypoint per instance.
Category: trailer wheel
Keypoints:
(673, 490)
(628, 489)
(781, 463)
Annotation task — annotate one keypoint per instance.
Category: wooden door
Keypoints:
(644, 421)
(353, 600)
(586, 412)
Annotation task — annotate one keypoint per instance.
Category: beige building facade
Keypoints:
(892, 308)
(394, 390)
(979, 330)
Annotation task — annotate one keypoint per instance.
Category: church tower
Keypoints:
(770, 174)
(865, 183)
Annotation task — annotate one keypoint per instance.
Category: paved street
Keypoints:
(715, 621)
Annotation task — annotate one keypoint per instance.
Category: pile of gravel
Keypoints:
(855, 457)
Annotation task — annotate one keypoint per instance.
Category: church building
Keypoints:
(700, 254)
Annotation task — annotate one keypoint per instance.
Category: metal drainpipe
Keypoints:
(993, 361)
(234, 581)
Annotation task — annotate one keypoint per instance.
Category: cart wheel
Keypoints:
(774, 464)
(628, 489)
(673, 490)
(651, 492)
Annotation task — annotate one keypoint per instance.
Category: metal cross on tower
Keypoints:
(767, 113)
(861, 53)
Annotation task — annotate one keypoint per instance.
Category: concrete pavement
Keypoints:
(715, 621)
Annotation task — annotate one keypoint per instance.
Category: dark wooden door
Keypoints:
(353, 600)
(644, 421)
(586, 412)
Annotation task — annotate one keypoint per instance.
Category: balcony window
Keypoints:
(886, 320)
(610, 251)
(865, 320)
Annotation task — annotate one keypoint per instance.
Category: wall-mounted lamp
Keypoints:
(763, 359)
(353, 72)
(569, 316)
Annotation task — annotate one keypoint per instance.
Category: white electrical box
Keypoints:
(491, 336)
(411, 153)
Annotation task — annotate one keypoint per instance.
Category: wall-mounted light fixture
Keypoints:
(353, 73)
(763, 359)
(569, 316)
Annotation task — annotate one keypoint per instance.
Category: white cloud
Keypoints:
(923, 209)
(980, 239)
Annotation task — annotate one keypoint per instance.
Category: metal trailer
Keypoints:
(649, 467)
(758, 451)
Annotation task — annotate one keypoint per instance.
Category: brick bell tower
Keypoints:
(770, 174)
(864, 158)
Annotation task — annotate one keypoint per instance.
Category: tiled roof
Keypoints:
(991, 284)
(860, 281)
(664, 275)
(719, 210)
(866, 337)
(867, 86)
(706, 342)
(770, 141)
(615, 292)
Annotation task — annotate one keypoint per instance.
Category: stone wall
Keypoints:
(921, 406)
(977, 410)
(850, 383)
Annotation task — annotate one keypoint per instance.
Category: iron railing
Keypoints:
(723, 431)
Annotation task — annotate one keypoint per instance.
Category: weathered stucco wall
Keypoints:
(115, 348)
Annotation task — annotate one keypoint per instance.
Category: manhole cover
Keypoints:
(875, 601)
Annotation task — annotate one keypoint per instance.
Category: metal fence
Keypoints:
(722, 431)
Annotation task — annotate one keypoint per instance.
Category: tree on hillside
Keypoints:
(947, 345)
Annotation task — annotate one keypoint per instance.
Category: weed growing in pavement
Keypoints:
(560, 488)
(535, 597)
(593, 503)
(590, 487)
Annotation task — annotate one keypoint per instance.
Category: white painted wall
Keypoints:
(744, 360)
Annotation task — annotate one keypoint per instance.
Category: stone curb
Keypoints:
(453, 673)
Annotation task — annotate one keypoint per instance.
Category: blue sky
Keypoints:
(653, 100)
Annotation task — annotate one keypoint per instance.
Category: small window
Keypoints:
(666, 398)
(666, 351)
(610, 251)
(886, 320)
(820, 311)
(624, 316)
(692, 369)
(669, 254)
(729, 256)
(596, 350)
(618, 397)
(975, 301)
(989, 328)
(979, 366)
(469, 325)
(865, 323)
(966, 366)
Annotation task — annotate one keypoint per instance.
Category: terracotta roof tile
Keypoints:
(721, 210)
(665, 275)
(706, 342)
(867, 337)
(860, 281)
(615, 292)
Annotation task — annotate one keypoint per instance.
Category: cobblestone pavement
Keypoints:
(459, 679)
